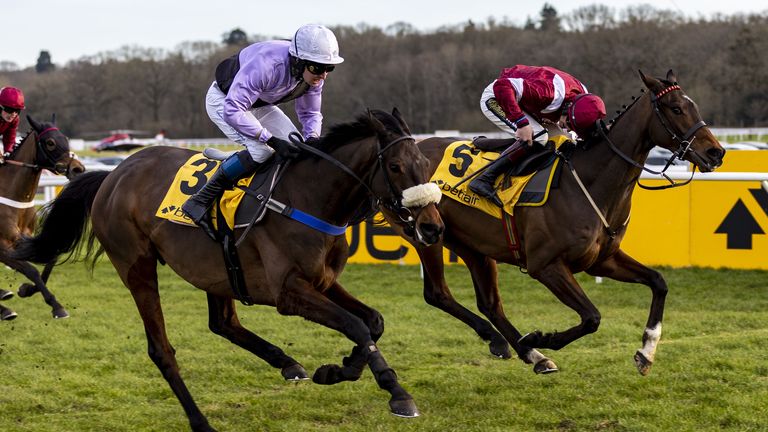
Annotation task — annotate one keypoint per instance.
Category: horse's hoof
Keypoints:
(60, 313)
(404, 408)
(5, 294)
(500, 349)
(7, 315)
(295, 372)
(327, 375)
(545, 366)
(27, 290)
(642, 363)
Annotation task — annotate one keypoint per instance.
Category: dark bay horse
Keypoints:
(44, 147)
(566, 235)
(287, 265)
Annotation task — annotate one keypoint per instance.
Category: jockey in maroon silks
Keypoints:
(520, 100)
(11, 104)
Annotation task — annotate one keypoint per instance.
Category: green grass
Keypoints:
(91, 372)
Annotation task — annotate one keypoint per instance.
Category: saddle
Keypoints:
(539, 157)
(251, 207)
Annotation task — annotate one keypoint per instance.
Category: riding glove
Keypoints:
(285, 149)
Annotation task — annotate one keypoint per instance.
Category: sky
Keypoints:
(74, 28)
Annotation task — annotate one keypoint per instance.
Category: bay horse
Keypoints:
(44, 147)
(286, 264)
(566, 235)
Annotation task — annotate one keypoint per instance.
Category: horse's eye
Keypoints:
(395, 168)
(677, 110)
(50, 143)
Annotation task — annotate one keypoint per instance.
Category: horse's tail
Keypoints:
(64, 223)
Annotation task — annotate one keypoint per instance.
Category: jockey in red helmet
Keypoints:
(520, 100)
(11, 104)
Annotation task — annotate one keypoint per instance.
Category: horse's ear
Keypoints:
(53, 118)
(396, 114)
(35, 125)
(652, 83)
(378, 126)
(671, 77)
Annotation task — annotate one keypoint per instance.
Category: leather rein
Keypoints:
(393, 203)
(684, 143)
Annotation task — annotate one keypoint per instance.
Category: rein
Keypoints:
(48, 163)
(393, 204)
(683, 148)
(684, 143)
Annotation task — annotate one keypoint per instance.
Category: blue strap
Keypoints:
(314, 222)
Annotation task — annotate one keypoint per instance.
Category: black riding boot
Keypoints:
(231, 170)
(483, 184)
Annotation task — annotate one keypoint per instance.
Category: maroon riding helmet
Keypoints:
(11, 97)
(583, 112)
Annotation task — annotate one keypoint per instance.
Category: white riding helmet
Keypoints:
(315, 43)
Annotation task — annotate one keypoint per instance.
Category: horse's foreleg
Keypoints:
(299, 297)
(558, 278)
(624, 268)
(355, 363)
(140, 276)
(223, 321)
(31, 273)
(485, 280)
(437, 294)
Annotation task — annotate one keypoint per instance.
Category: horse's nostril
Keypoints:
(716, 153)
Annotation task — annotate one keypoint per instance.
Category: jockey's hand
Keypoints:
(285, 149)
(525, 134)
(312, 141)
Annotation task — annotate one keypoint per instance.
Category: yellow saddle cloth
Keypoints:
(190, 178)
(462, 159)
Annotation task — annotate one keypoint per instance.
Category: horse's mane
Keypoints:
(362, 127)
(17, 145)
(595, 137)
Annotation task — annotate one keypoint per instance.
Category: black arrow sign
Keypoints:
(761, 196)
(739, 225)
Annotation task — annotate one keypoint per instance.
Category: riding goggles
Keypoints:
(10, 110)
(319, 68)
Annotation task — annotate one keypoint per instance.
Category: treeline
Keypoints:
(434, 78)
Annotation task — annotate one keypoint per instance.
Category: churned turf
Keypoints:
(91, 372)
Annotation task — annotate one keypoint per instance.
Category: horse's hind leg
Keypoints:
(33, 275)
(355, 363)
(223, 321)
(485, 280)
(558, 278)
(27, 289)
(624, 268)
(437, 294)
(140, 276)
(300, 298)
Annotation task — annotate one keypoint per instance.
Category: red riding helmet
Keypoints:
(12, 97)
(585, 110)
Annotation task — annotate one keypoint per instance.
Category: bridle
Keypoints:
(394, 203)
(44, 159)
(684, 143)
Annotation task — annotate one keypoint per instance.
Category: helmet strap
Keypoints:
(297, 67)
